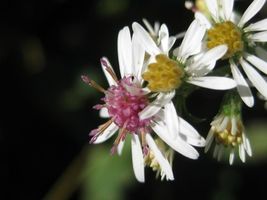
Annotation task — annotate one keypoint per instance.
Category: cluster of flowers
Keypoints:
(154, 75)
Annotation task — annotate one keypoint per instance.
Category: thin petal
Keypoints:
(207, 58)
(125, 51)
(145, 39)
(257, 62)
(171, 120)
(137, 159)
(251, 11)
(104, 64)
(213, 8)
(258, 26)
(110, 131)
(259, 37)
(120, 147)
(193, 35)
(137, 57)
(104, 112)
(231, 157)
(242, 154)
(149, 27)
(164, 38)
(242, 86)
(190, 134)
(154, 107)
(164, 164)
(257, 80)
(247, 145)
(213, 82)
(227, 6)
(178, 144)
(202, 19)
(209, 141)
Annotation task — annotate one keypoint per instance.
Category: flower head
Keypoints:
(242, 41)
(228, 132)
(123, 103)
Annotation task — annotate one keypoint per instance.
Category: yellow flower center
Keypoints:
(226, 33)
(226, 137)
(164, 75)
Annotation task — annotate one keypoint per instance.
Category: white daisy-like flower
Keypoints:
(227, 132)
(125, 99)
(241, 40)
(164, 75)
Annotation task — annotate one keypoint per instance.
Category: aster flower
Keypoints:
(164, 75)
(242, 41)
(228, 133)
(125, 99)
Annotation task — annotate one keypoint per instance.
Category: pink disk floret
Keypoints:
(124, 102)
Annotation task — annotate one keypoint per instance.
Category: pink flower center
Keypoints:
(124, 102)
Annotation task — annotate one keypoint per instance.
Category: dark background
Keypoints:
(46, 109)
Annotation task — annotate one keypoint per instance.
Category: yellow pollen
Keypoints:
(227, 138)
(226, 33)
(164, 75)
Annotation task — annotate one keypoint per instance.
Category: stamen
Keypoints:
(109, 69)
(97, 132)
(92, 83)
(121, 137)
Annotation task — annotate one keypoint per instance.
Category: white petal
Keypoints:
(257, 62)
(242, 86)
(213, 8)
(104, 64)
(152, 109)
(149, 27)
(257, 80)
(137, 159)
(242, 154)
(262, 53)
(120, 147)
(178, 144)
(209, 140)
(171, 120)
(247, 145)
(164, 164)
(164, 38)
(202, 19)
(231, 157)
(193, 35)
(227, 6)
(145, 39)
(171, 42)
(251, 11)
(110, 130)
(125, 51)
(258, 26)
(104, 112)
(190, 134)
(213, 82)
(207, 58)
(137, 57)
(259, 37)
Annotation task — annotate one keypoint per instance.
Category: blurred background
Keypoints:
(47, 110)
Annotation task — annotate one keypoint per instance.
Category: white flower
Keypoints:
(240, 39)
(165, 75)
(123, 102)
(227, 132)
